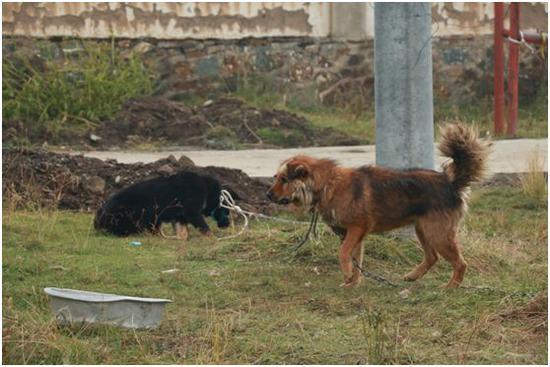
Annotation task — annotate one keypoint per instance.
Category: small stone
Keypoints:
(168, 44)
(214, 273)
(58, 267)
(207, 67)
(436, 334)
(185, 161)
(117, 179)
(165, 169)
(307, 284)
(405, 293)
(172, 159)
(320, 79)
(95, 138)
(143, 47)
(207, 103)
(170, 271)
(94, 184)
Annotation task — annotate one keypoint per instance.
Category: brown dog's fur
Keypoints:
(354, 202)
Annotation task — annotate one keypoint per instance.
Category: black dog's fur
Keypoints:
(183, 198)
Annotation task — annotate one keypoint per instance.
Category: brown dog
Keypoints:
(354, 202)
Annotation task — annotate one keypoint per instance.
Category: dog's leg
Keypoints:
(354, 236)
(197, 220)
(440, 232)
(357, 254)
(181, 231)
(451, 252)
(340, 232)
(430, 256)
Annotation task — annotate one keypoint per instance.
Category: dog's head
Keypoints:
(293, 182)
(221, 216)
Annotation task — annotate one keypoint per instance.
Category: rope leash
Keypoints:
(376, 277)
(227, 202)
(167, 237)
(522, 42)
(312, 228)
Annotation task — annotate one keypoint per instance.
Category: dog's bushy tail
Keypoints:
(469, 153)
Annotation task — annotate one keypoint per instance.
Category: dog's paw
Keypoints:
(351, 283)
(410, 277)
(208, 234)
(450, 285)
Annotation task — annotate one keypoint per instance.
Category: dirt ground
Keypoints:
(39, 177)
(81, 183)
(226, 123)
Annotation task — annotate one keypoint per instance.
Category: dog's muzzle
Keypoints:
(221, 215)
(283, 201)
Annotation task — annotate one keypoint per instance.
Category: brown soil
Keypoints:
(80, 183)
(39, 177)
(226, 123)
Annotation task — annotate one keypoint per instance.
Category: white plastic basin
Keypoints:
(76, 306)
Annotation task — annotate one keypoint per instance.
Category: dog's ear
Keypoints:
(297, 171)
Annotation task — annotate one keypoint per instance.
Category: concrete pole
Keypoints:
(403, 85)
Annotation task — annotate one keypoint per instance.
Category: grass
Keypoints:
(357, 118)
(72, 94)
(247, 300)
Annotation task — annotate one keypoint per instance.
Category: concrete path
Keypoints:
(508, 156)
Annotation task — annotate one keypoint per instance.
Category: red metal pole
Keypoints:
(513, 70)
(498, 52)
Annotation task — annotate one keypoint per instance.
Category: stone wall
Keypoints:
(301, 68)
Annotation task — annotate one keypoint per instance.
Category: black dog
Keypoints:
(183, 198)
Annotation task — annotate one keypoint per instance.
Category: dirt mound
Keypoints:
(75, 182)
(227, 123)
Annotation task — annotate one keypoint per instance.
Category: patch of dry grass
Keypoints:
(534, 183)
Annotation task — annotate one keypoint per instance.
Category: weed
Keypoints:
(78, 93)
(216, 337)
(372, 323)
(281, 138)
(222, 138)
(257, 90)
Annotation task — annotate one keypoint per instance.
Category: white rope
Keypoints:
(227, 201)
(521, 41)
(165, 236)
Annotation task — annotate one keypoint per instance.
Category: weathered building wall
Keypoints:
(166, 20)
(351, 21)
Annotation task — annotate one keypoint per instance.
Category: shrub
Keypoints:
(82, 89)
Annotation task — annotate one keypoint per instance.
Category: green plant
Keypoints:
(281, 138)
(376, 339)
(257, 90)
(222, 137)
(82, 90)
